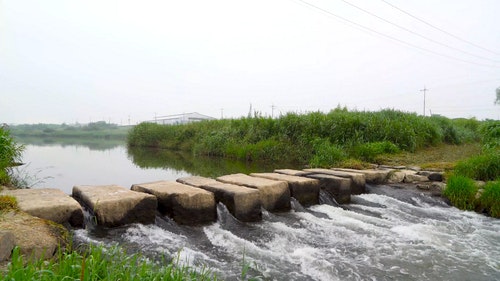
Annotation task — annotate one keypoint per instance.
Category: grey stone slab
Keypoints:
(373, 176)
(114, 205)
(274, 195)
(305, 190)
(185, 204)
(358, 184)
(339, 188)
(48, 203)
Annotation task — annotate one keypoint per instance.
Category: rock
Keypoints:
(437, 188)
(435, 176)
(291, 172)
(396, 177)
(6, 244)
(392, 167)
(423, 186)
(274, 195)
(305, 190)
(184, 203)
(242, 202)
(113, 205)
(35, 237)
(358, 183)
(339, 188)
(411, 178)
(48, 203)
(371, 176)
(196, 181)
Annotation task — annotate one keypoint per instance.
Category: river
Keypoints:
(387, 234)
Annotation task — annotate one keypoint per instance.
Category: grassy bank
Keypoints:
(317, 139)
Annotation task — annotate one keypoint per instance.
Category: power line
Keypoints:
(392, 37)
(417, 34)
(440, 29)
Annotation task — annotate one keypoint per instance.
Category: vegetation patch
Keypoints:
(10, 155)
(99, 263)
(489, 200)
(461, 191)
(8, 203)
(485, 167)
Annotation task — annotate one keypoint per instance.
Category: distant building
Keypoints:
(180, 118)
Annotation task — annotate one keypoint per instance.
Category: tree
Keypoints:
(497, 101)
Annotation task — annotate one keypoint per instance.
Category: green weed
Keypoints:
(485, 166)
(461, 191)
(490, 198)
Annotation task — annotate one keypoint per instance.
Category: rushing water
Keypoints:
(386, 234)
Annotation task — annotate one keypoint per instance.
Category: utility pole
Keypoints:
(222, 113)
(272, 110)
(424, 90)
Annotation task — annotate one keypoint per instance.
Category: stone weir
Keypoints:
(193, 200)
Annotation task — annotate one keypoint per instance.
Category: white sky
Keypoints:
(81, 61)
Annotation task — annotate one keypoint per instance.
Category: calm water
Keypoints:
(386, 234)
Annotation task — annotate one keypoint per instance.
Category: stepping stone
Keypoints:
(291, 172)
(242, 202)
(185, 204)
(339, 188)
(371, 176)
(274, 195)
(50, 204)
(305, 190)
(358, 180)
(114, 205)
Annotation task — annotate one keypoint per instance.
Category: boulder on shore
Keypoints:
(35, 237)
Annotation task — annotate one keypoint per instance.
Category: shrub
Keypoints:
(490, 198)
(326, 154)
(369, 151)
(10, 153)
(485, 166)
(461, 191)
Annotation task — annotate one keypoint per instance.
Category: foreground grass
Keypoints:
(99, 263)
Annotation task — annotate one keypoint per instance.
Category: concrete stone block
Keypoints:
(339, 188)
(114, 205)
(50, 204)
(274, 195)
(305, 190)
(358, 181)
(185, 204)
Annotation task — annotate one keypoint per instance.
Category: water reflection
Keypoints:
(199, 165)
(96, 144)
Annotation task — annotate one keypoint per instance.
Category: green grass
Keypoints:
(461, 191)
(99, 263)
(10, 154)
(485, 167)
(490, 199)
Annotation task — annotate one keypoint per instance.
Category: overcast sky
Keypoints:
(81, 61)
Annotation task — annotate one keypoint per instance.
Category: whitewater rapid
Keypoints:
(386, 234)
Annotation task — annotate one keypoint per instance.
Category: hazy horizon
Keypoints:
(115, 61)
